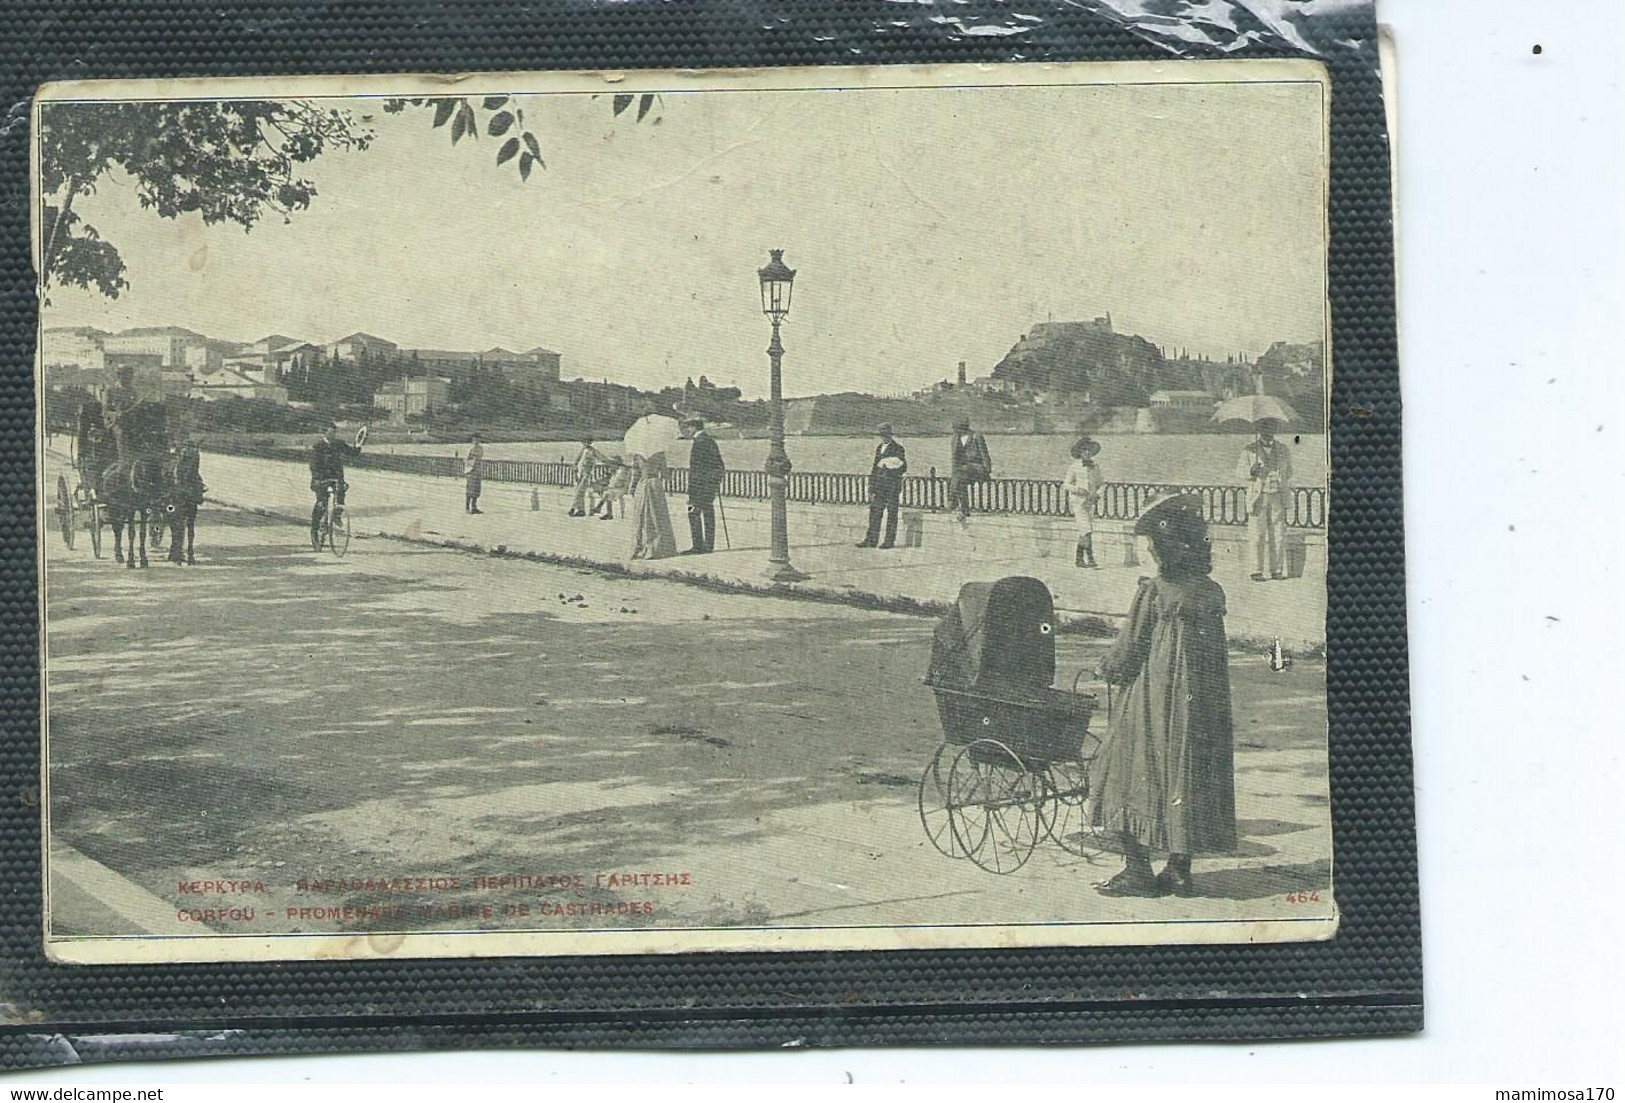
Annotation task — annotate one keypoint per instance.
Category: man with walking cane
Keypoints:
(722, 515)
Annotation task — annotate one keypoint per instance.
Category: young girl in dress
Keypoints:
(1165, 779)
(1082, 485)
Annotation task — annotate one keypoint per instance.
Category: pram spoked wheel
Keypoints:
(935, 815)
(1064, 812)
(996, 806)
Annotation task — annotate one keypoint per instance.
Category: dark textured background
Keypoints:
(1368, 981)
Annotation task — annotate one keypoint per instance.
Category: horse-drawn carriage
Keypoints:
(1013, 767)
(127, 478)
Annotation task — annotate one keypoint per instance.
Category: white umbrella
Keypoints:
(1255, 408)
(652, 436)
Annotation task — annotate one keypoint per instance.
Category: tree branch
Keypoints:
(48, 253)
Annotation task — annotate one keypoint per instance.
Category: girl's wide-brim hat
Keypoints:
(1176, 517)
(1085, 449)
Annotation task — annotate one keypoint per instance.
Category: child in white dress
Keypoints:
(1082, 486)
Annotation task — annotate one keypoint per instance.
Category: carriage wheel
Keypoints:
(98, 518)
(932, 800)
(157, 526)
(65, 519)
(338, 530)
(996, 805)
(1065, 815)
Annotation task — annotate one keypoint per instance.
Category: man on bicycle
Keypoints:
(327, 457)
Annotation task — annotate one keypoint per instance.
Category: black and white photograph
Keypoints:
(661, 512)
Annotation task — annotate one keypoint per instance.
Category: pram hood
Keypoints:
(998, 638)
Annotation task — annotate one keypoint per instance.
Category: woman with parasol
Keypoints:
(647, 442)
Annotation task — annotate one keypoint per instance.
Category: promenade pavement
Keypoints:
(277, 715)
(430, 509)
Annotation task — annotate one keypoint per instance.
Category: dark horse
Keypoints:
(183, 493)
(131, 491)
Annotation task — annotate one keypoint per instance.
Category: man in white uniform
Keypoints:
(1266, 468)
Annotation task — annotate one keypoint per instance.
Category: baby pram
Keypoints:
(1013, 767)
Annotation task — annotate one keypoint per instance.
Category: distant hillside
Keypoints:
(1113, 369)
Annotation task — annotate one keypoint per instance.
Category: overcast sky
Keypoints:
(927, 227)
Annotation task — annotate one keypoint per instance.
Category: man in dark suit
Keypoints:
(972, 464)
(705, 469)
(885, 488)
(327, 458)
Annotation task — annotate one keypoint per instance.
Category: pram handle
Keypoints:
(1078, 677)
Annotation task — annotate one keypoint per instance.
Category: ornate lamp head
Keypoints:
(777, 281)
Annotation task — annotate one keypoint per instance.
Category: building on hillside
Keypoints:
(227, 383)
(989, 384)
(1190, 401)
(293, 359)
(267, 345)
(251, 366)
(204, 359)
(408, 396)
(168, 343)
(359, 346)
(601, 397)
(261, 357)
(537, 365)
(76, 346)
(450, 361)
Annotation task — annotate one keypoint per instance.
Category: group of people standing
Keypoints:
(642, 480)
(972, 463)
(1265, 466)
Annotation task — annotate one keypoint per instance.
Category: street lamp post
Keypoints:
(777, 281)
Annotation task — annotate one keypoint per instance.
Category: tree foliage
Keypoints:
(501, 119)
(226, 160)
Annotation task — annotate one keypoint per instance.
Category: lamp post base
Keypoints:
(783, 572)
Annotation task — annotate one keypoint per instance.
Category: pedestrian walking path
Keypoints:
(429, 509)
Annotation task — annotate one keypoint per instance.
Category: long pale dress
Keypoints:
(1167, 772)
(473, 471)
(1082, 486)
(652, 536)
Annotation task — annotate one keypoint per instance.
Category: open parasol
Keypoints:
(1256, 410)
(652, 435)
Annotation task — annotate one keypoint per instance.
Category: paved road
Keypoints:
(360, 733)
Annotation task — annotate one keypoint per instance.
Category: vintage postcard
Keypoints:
(659, 512)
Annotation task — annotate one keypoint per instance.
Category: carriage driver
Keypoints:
(121, 400)
(327, 457)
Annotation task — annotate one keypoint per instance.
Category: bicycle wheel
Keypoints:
(338, 529)
(65, 519)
